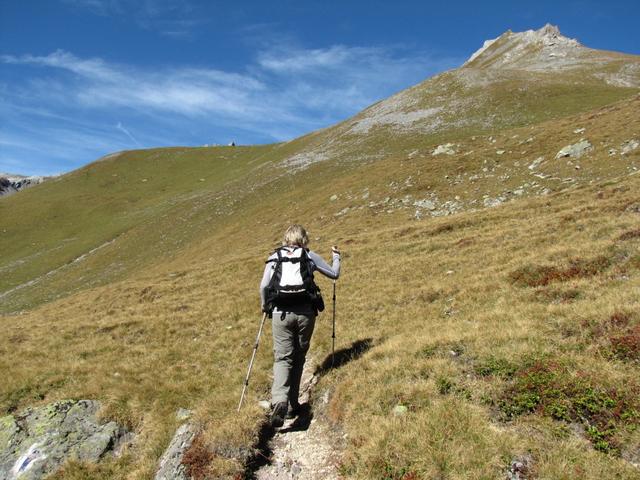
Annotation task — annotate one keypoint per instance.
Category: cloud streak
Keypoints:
(173, 18)
(285, 92)
(128, 134)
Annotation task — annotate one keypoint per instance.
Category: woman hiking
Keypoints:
(292, 299)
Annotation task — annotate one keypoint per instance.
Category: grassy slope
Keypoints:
(140, 197)
(178, 332)
(146, 200)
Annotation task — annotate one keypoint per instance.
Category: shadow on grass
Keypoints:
(344, 356)
(262, 452)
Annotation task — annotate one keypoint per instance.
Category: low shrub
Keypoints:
(444, 385)
(551, 388)
(557, 296)
(542, 275)
(618, 336)
(492, 366)
(630, 235)
(627, 345)
(197, 459)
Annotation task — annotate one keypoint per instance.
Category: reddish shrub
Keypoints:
(627, 346)
(539, 276)
(197, 459)
(410, 476)
(620, 319)
(630, 235)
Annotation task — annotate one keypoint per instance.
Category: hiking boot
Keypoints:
(293, 411)
(278, 414)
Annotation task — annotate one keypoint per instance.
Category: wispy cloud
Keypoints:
(283, 93)
(176, 18)
(183, 90)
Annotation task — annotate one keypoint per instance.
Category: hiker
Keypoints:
(291, 298)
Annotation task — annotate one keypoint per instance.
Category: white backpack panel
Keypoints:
(291, 275)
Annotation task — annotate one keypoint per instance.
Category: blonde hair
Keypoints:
(295, 235)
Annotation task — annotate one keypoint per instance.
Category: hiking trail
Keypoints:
(305, 447)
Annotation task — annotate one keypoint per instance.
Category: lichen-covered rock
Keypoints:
(171, 467)
(400, 410)
(536, 163)
(38, 441)
(183, 414)
(492, 202)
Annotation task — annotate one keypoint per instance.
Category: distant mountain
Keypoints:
(11, 183)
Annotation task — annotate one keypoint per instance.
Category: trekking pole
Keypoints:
(333, 333)
(253, 356)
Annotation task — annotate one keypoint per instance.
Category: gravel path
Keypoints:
(304, 448)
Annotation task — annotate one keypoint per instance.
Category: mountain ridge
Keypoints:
(474, 99)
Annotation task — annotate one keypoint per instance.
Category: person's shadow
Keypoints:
(337, 360)
(344, 356)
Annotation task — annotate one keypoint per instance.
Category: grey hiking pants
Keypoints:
(291, 338)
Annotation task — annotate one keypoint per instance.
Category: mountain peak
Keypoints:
(549, 30)
(542, 49)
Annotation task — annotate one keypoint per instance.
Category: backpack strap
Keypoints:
(281, 259)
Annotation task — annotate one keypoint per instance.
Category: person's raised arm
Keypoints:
(332, 271)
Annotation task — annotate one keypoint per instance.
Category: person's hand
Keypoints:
(334, 249)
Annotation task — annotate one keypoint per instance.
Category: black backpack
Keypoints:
(292, 281)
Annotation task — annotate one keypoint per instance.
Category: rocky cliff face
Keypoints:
(13, 183)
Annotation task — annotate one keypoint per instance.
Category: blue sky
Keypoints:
(82, 78)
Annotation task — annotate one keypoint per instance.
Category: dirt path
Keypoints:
(304, 448)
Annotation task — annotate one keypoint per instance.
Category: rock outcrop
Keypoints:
(12, 183)
(575, 150)
(6, 186)
(447, 149)
(534, 50)
(171, 467)
(38, 441)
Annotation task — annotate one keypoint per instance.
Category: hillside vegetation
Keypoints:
(493, 290)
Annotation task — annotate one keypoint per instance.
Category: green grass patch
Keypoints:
(493, 366)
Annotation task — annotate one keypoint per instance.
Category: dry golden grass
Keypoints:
(454, 308)
(179, 338)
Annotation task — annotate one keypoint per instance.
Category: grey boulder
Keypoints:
(576, 150)
(38, 441)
